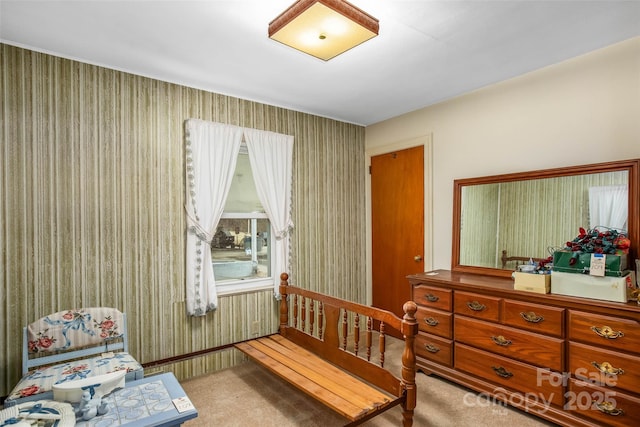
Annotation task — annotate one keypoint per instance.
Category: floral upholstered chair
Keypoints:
(71, 345)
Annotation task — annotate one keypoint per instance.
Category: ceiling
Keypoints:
(426, 52)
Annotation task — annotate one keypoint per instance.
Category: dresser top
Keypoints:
(503, 286)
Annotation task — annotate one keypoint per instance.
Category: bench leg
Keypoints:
(407, 417)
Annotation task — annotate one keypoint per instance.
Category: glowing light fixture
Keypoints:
(323, 28)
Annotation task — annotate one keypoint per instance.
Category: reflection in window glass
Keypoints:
(240, 249)
(242, 193)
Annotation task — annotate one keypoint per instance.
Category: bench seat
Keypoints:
(334, 387)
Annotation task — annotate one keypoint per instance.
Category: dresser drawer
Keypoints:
(478, 306)
(434, 322)
(612, 332)
(539, 350)
(605, 367)
(434, 348)
(431, 297)
(534, 317)
(511, 374)
(605, 405)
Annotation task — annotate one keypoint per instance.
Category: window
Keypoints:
(211, 157)
(240, 248)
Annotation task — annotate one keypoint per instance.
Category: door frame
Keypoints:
(427, 142)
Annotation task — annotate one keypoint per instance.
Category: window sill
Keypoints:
(244, 286)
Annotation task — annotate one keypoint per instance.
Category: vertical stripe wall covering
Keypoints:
(92, 207)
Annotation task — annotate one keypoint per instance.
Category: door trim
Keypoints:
(427, 142)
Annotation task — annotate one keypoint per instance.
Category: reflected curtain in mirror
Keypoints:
(608, 206)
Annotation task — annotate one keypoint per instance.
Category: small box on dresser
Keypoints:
(615, 265)
(538, 283)
(586, 286)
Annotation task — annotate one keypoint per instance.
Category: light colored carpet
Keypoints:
(249, 395)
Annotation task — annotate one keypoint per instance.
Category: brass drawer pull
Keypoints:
(432, 297)
(607, 368)
(531, 317)
(609, 408)
(502, 372)
(476, 306)
(431, 348)
(431, 321)
(607, 332)
(501, 341)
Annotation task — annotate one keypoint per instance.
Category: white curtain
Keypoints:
(608, 206)
(271, 158)
(211, 155)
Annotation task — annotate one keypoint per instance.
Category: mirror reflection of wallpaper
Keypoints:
(479, 224)
(526, 218)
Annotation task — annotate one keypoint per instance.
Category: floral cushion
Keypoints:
(70, 329)
(42, 379)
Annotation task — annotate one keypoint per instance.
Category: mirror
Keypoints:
(501, 220)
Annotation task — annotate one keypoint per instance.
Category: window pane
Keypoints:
(242, 193)
(240, 249)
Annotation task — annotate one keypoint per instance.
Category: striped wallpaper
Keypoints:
(92, 207)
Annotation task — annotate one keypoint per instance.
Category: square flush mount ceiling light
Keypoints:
(323, 28)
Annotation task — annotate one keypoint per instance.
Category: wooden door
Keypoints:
(397, 225)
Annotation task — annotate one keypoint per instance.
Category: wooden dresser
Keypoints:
(572, 361)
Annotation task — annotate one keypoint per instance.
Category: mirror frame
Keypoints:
(632, 166)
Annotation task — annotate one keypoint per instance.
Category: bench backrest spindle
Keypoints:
(356, 333)
(295, 311)
(382, 344)
(320, 319)
(312, 317)
(303, 314)
(345, 329)
(369, 337)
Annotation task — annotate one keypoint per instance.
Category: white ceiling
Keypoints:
(427, 51)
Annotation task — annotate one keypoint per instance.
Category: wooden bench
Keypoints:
(518, 259)
(325, 348)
